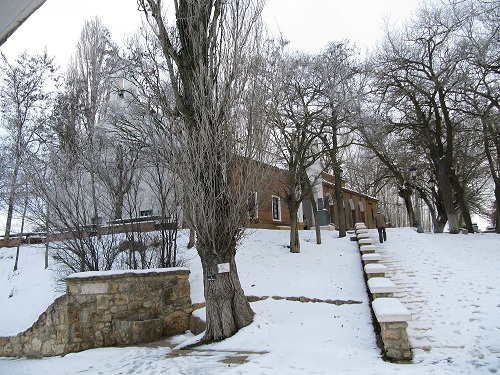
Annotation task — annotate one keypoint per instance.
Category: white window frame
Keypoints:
(278, 207)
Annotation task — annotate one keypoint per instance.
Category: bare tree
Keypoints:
(393, 152)
(23, 218)
(74, 196)
(481, 87)
(297, 110)
(416, 73)
(339, 72)
(168, 192)
(142, 118)
(25, 95)
(117, 169)
(210, 55)
(89, 77)
(65, 193)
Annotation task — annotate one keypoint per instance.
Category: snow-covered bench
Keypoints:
(381, 287)
(371, 257)
(375, 270)
(393, 318)
(359, 225)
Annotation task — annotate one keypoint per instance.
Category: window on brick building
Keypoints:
(276, 208)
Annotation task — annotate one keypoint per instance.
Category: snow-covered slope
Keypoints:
(450, 283)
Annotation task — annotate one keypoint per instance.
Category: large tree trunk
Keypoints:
(493, 157)
(406, 195)
(95, 205)
(22, 230)
(497, 205)
(441, 216)
(314, 205)
(462, 202)
(118, 206)
(12, 197)
(227, 308)
(190, 225)
(294, 232)
(317, 227)
(47, 238)
(10, 212)
(339, 198)
(204, 62)
(429, 201)
(192, 238)
(447, 193)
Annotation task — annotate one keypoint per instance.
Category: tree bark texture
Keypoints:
(227, 308)
(462, 202)
(447, 193)
(192, 238)
(406, 194)
(339, 198)
(294, 232)
(293, 197)
(310, 189)
(13, 190)
(497, 206)
(317, 228)
(491, 141)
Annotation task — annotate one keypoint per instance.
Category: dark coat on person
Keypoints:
(380, 220)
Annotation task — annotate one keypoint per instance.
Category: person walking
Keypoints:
(380, 224)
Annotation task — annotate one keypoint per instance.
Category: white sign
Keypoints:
(223, 267)
(97, 288)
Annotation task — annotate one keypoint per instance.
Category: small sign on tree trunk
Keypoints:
(223, 268)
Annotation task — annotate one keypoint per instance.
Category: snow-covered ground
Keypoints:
(450, 283)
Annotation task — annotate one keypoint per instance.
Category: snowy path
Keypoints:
(451, 285)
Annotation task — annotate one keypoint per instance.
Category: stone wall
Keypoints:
(87, 316)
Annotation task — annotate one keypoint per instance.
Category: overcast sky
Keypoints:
(308, 24)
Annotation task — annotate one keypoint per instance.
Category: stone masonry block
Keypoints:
(391, 334)
(73, 314)
(73, 289)
(102, 302)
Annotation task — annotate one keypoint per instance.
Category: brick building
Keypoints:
(269, 209)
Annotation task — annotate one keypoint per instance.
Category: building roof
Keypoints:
(351, 191)
(14, 13)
